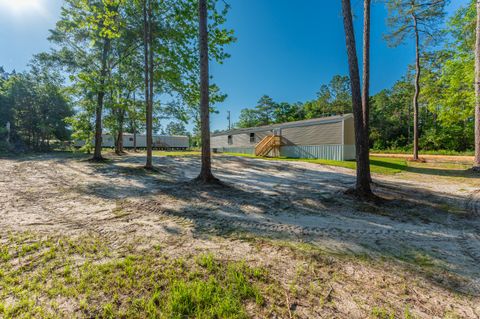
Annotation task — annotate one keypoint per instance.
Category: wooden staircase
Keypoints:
(270, 144)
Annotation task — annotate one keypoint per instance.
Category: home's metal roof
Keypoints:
(316, 121)
(138, 134)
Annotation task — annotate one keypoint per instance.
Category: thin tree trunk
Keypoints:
(151, 79)
(120, 142)
(417, 89)
(476, 164)
(134, 139)
(206, 175)
(97, 155)
(409, 121)
(366, 80)
(134, 125)
(362, 187)
(121, 117)
(147, 76)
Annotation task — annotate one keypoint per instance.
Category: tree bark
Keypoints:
(119, 146)
(151, 80)
(417, 88)
(476, 164)
(362, 187)
(206, 175)
(147, 78)
(134, 125)
(97, 154)
(366, 80)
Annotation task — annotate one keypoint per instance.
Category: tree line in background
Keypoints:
(446, 101)
(33, 108)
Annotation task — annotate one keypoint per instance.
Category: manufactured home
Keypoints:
(324, 138)
(176, 142)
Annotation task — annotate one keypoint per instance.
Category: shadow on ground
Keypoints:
(429, 232)
(465, 173)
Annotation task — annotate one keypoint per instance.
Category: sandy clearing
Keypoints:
(291, 201)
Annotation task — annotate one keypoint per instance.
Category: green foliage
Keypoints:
(332, 99)
(176, 128)
(391, 116)
(402, 13)
(36, 106)
(448, 95)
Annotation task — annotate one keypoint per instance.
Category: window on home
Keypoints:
(252, 137)
(230, 139)
(131, 139)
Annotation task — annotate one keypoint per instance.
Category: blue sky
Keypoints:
(285, 48)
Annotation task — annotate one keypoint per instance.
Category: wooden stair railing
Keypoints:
(260, 148)
(269, 143)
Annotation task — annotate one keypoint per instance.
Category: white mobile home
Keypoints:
(326, 138)
(159, 141)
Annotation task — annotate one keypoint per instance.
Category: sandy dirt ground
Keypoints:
(423, 217)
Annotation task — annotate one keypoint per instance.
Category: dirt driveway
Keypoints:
(426, 230)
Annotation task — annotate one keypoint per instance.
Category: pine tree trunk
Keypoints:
(134, 125)
(366, 80)
(121, 118)
(417, 89)
(120, 142)
(151, 80)
(97, 154)
(206, 175)
(476, 164)
(147, 76)
(362, 187)
(134, 139)
(409, 121)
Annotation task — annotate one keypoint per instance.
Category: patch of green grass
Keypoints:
(418, 258)
(176, 153)
(97, 283)
(382, 313)
(207, 261)
(4, 253)
(205, 299)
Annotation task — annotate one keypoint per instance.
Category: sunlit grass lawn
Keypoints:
(385, 165)
(176, 153)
